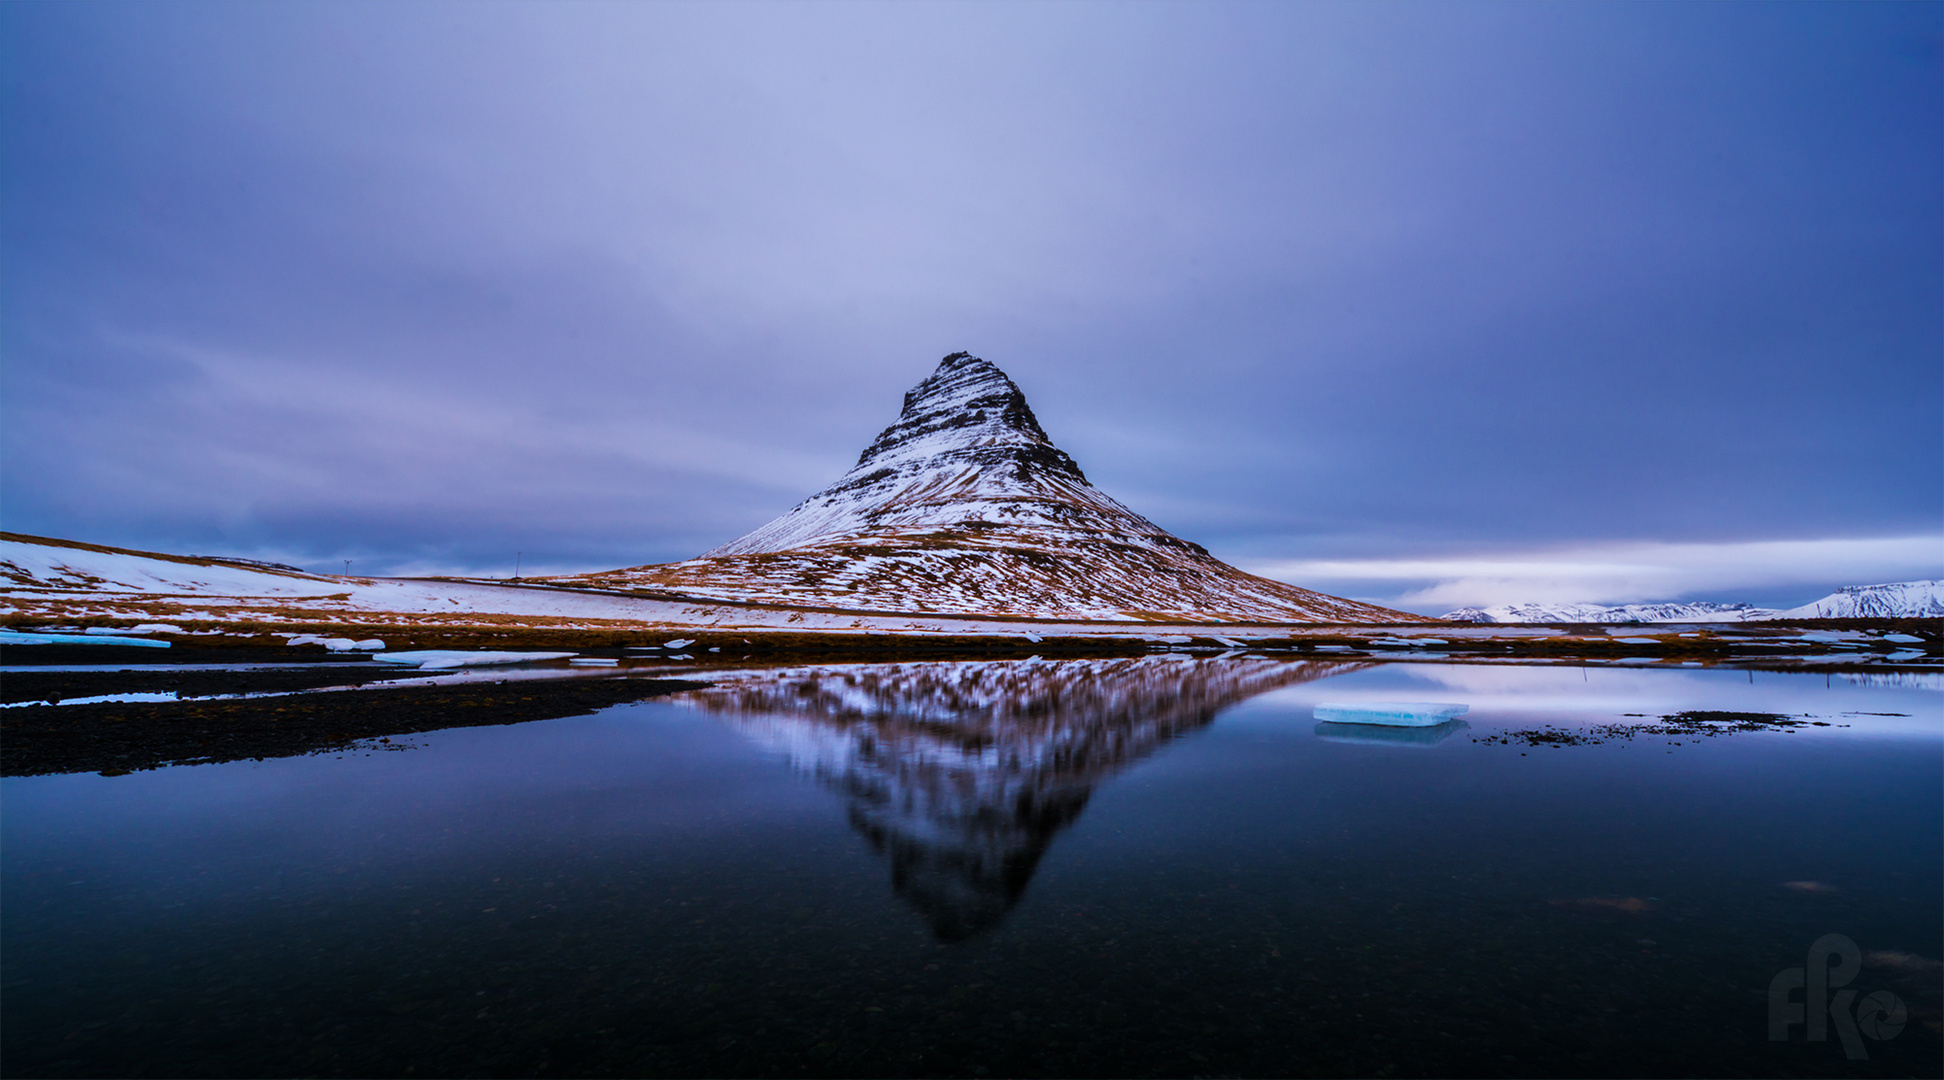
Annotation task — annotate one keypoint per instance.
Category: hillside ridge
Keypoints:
(964, 505)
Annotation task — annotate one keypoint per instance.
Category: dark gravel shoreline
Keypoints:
(118, 738)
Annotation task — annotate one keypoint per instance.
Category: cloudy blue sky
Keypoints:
(1429, 304)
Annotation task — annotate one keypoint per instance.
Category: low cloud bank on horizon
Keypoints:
(1767, 573)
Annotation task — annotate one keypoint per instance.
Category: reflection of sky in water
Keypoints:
(1516, 695)
(1143, 863)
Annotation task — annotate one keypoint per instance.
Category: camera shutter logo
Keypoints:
(1834, 960)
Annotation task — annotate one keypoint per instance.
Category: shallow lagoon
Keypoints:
(1135, 867)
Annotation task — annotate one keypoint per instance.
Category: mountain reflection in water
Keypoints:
(963, 772)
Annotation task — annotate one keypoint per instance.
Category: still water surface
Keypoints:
(1129, 867)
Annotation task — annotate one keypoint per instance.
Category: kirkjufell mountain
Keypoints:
(965, 507)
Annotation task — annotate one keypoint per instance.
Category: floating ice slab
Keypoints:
(1390, 713)
(449, 658)
(594, 661)
(27, 637)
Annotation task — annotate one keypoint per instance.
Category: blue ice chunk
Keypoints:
(1390, 713)
(26, 637)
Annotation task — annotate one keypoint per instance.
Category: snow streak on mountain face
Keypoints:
(964, 506)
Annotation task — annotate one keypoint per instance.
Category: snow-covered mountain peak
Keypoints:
(1891, 600)
(966, 452)
(963, 506)
(968, 413)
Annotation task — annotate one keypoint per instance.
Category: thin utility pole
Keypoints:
(516, 564)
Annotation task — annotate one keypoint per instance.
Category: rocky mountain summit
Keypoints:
(966, 452)
(965, 507)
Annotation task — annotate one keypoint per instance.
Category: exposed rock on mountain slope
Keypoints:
(965, 507)
(961, 774)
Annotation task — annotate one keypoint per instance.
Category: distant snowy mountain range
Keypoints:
(1896, 600)
(965, 507)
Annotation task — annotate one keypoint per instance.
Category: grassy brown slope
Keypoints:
(958, 574)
